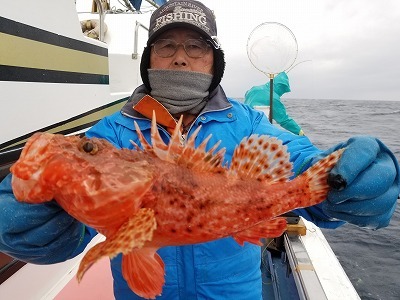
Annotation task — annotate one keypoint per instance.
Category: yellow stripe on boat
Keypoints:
(21, 52)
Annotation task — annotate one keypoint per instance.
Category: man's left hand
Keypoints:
(365, 183)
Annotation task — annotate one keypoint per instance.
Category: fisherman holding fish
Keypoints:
(181, 69)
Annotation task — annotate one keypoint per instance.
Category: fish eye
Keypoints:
(90, 147)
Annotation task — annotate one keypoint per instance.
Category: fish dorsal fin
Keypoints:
(183, 154)
(146, 146)
(261, 157)
(158, 147)
(199, 159)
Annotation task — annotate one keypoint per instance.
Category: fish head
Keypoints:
(75, 170)
(39, 151)
(47, 160)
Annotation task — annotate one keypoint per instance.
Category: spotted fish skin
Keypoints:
(166, 195)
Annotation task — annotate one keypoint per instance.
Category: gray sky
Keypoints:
(351, 47)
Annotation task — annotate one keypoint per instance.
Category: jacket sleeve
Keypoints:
(107, 129)
(38, 233)
(281, 116)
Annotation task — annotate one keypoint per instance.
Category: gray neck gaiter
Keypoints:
(180, 91)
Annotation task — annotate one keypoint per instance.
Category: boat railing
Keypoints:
(101, 19)
(138, 25)
(306, 279)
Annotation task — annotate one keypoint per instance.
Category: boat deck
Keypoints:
(96, 284)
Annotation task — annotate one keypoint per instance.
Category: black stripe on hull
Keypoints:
(11, 73)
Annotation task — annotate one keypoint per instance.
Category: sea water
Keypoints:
(370, 258)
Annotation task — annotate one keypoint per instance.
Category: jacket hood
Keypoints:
(281, 84)
(257, 94)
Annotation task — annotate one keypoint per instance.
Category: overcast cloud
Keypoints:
(351, 47)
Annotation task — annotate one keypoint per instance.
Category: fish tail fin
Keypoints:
(132, 234)
(317, 177)
(143, 270)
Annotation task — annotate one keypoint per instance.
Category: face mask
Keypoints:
(180, 91)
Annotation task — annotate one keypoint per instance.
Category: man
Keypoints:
(181, 68)
(259, 96)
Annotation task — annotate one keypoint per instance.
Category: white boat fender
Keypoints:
(91, 28)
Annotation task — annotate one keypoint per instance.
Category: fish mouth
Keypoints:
(28, 169)
(32, 156)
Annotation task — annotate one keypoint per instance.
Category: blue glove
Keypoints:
(38, 233)
(365, 183)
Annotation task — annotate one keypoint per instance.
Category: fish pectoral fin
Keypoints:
(132, 234)
(268, 229)
(143, 269)
(263, 158)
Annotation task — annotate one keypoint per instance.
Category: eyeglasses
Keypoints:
(194, 48)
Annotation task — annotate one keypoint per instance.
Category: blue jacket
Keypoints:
(220, 269)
